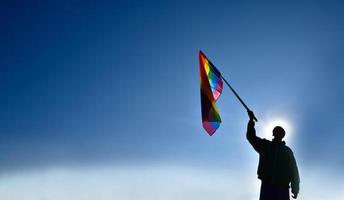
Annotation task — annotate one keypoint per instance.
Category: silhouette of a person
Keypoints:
(277, 166)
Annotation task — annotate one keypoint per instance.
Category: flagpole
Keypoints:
(236, 94)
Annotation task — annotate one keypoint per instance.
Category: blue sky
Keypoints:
(115, 85)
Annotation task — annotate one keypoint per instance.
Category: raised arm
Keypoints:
(251, 136)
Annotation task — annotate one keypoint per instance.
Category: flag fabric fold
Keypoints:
(211, 88)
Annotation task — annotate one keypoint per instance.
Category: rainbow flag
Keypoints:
(211, 88)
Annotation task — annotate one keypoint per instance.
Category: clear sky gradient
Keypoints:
(105, 86)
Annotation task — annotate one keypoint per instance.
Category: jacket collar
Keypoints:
(278, 142)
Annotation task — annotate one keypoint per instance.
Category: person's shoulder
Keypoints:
(265, 140)
(288, 149)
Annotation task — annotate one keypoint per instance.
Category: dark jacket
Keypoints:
(277, 164)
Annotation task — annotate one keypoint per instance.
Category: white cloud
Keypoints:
(152, 183)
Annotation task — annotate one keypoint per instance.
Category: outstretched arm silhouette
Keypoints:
(251, 136)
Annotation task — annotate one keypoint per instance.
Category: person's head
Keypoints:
(278, 133)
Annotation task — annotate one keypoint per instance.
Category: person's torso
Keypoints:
(274, 163)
